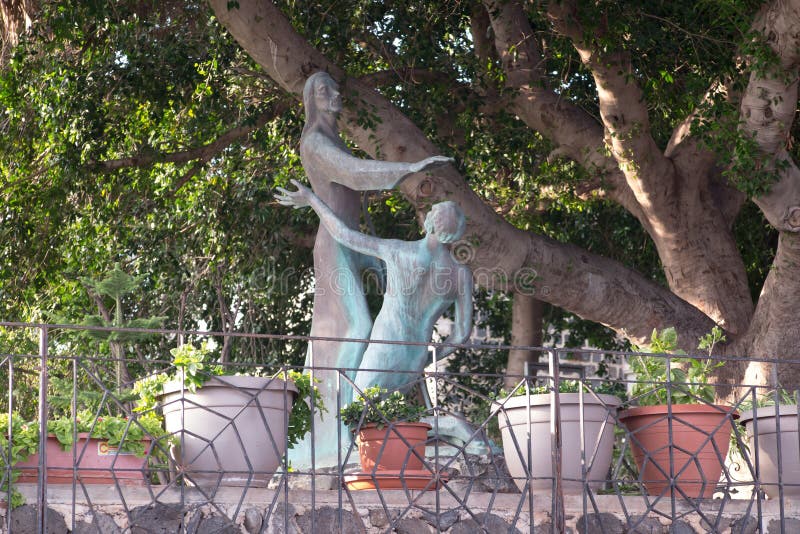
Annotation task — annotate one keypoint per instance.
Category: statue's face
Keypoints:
(446, 221)
(327, 96)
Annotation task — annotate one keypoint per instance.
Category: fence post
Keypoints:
(555, 443)
(41, 496)
(435, 406)
(10, 438)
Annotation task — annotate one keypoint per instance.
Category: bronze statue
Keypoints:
(340, 308)
(422, 281)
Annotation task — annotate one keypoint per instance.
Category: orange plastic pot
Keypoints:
(96, 462)
(689, 446)
(395, 447)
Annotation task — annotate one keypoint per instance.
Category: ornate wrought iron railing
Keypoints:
(539, 458)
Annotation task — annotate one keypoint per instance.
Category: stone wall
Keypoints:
(298, 511)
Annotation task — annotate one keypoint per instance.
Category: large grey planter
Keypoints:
(767, 449)
(598, 439)
(232, 431)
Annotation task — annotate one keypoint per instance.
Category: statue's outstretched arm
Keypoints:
(463, 316)
(342, 233)
(366, 174)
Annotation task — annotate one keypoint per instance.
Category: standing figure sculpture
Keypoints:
(340, 307)
(422, 281)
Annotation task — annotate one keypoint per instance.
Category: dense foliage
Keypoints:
(141, 133)
(97, 82)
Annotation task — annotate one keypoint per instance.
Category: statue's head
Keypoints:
(321, 94)
(445, 221)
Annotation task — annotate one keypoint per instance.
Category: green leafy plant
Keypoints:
(17, 498)
(780, 396)
(147, 390)
(574, 386)
(116, 284)
(689, 378)
(128, 436)
(710, 340)
(118, 431)
(376, 405)
(191, 363)
(25, 437)
(300, 418)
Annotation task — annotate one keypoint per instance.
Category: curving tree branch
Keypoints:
(406, 75)
(649, 173)
(202, 153)
(768, 109)
(575, 132)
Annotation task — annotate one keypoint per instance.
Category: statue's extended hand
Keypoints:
(431, 163)
(296, 199)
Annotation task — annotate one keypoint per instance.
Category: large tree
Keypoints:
(684, 194)
(675, 117)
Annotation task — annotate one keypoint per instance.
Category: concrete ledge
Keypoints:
(110, 509)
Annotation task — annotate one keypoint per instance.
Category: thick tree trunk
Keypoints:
(768, 110)
(775, 330)
(526, 331)
(698, 252)
(671, 195)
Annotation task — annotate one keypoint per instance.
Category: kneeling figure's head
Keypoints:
(445, 221)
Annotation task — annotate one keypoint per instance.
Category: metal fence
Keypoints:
(89, 451)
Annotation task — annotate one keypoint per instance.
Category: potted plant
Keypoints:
(772, 443)
(391, 441)
(109, 449)
(25, 442)
(677, 433)
(118, 286)
(596, 407)
(231, 430)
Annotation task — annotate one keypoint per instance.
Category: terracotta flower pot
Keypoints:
(766, 461)
(598, 426)
(96, 463)
(700, 436)
(232, 430)
(396, 447)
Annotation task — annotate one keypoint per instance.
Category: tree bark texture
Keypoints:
(768, 108)
(526, 331)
